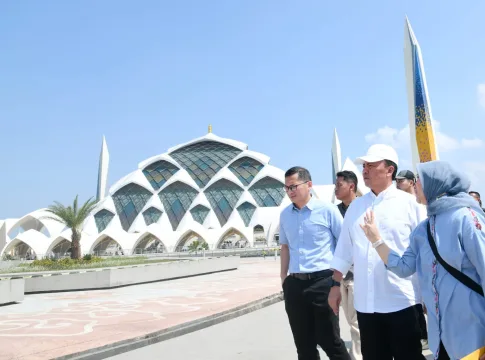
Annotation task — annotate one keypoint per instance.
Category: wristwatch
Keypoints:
(335, 283)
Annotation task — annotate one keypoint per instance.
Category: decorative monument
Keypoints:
(336, 155)
(103, 171)
(423, 138)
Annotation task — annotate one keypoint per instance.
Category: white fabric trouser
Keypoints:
(347, 290)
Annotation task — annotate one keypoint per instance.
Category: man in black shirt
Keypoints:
(346, 192)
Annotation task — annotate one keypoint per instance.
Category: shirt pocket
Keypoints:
(315, 231)
(395, 231)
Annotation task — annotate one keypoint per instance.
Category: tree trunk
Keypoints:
(75, 245)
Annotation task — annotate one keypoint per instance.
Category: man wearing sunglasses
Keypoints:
(309, 229)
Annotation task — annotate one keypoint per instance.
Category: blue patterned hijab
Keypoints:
(445, 188)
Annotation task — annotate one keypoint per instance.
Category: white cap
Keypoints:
(379, 152)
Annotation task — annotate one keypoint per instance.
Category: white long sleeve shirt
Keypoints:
(375, 288)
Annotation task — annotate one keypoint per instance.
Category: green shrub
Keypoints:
(42, 262)
(87, 257)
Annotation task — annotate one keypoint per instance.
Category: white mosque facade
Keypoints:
(211, 189)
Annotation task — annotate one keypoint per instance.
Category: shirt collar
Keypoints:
(310, 204)
(390, 190)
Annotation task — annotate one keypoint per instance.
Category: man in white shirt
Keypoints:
(385, 303)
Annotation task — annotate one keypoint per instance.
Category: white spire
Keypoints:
(103, 171)
(415, 78)
(336, 155)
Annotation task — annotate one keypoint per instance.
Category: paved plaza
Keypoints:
(46, 326)
(263, 334)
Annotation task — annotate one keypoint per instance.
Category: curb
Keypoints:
(123, 346)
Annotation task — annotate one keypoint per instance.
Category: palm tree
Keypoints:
(198, 245)
(73, 217)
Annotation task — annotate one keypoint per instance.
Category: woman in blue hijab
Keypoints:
(456, 313)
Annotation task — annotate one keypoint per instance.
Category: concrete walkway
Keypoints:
(263, 334)
(47, 326)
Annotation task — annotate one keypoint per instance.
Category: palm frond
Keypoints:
(74, 205)
(86, 209)
(71, 216)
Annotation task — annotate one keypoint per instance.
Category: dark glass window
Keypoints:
(246, 211)
(176, 199)
(103, 218)
(159, 172)
(151, 215)
(223, 196)
(129, 201)
(199, 213)
(268, 192)
(203, 160)
(246, 169)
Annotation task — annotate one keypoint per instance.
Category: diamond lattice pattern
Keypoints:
(129, 201)
(268, 192)
(223, 196)
(246, 169)
(176, 199)
(204, 159)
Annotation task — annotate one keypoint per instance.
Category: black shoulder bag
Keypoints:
(458, 275)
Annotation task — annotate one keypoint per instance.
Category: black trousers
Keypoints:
(388, 336)
(422, 322)
(312, 321)
(443, 355)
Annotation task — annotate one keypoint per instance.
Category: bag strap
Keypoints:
(458, 275)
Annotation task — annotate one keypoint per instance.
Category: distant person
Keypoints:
(406, 181)
(309, 229)
(476, 196)
(448, 254)
(385, 303)
(346, 191)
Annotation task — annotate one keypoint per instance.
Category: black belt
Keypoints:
(313, 275)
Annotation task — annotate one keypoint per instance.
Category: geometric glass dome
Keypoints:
(246, 169)
(129, 201)
(152, 215)
(246, 211)
(268, 192)
(223, 196)
(203, 160)
(176, 199)
(103, 218)
(199, 213)
(159, 172)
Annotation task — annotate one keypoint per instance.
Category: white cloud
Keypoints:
(390, 136)
(400, 138)
(481, 94)
(472, 143)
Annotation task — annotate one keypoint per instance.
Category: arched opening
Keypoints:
(61, 249)
(107, 247)
(259, 237)
(20, 250)
(186, 240)
(232, 239)
(149, 244)
(28, 223)
(276, 236)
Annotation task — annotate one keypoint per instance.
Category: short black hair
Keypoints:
(350, 177)
(303, 174)
(392, 163)
(476, 193)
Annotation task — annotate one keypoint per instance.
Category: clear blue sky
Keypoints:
(278, 75)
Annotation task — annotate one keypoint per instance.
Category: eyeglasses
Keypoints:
(293, 187)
